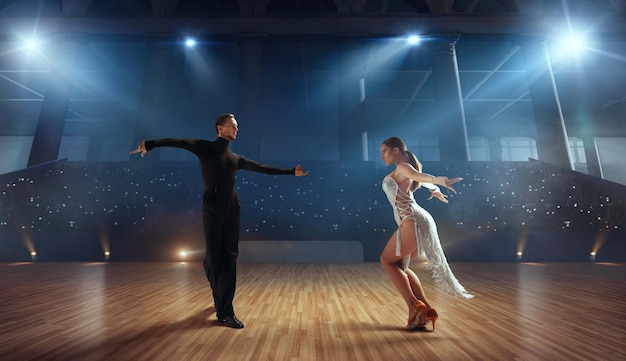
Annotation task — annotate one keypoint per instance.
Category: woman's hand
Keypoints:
(437, 194)
(447, 182)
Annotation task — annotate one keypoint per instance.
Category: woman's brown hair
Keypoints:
(395, 142)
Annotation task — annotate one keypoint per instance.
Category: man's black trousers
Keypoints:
(221, 219)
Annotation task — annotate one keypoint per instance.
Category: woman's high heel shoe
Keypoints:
(431, 315)
(417, 320)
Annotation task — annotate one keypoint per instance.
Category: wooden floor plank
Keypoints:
(294, 312)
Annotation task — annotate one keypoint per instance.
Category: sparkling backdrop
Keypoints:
(337, 201)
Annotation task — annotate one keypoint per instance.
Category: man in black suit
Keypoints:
(221, 207)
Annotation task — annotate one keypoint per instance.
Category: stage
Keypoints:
(309, 311)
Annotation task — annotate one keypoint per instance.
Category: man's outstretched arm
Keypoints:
(247, 164)
(140, 148)
(192, 145)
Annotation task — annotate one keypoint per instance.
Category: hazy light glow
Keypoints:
(571, 45)
(413, 40)
(31, 45)
(190, 42)
(575, 43)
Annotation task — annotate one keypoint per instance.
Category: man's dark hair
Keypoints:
(222, 119)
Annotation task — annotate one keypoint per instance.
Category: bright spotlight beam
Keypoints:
(190, 42)
(575, 43)
(413, 40)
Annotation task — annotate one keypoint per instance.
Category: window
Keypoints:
(14, 152)
(425, 148)
(518, 149)
(74, 148)
(479, 149)
(577, 152)
(116, 148)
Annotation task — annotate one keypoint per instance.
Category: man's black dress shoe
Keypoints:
(232, 321)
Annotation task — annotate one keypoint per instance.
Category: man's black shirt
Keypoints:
(218, 163)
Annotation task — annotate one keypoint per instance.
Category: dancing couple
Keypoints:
(221, 211)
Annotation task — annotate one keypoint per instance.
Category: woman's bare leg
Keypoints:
(416, 287)
(399, 278)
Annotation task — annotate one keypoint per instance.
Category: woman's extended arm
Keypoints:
(410, 172)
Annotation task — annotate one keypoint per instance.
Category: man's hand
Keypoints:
(140, 148)
(300, 172)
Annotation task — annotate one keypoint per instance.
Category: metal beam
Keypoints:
(367, 26)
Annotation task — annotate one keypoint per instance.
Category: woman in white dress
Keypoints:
(416, 234)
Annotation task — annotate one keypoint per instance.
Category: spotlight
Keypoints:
(521, 244)
(571, 44)
(33, 256)
(597, 244)
(413, 40)
(183, 255)
(107, 255)
(574, 43)
(190, 42)
(31, 45)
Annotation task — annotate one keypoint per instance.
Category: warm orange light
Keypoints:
(599, 241)
(521, 244)
(28, 241)
(104, 242)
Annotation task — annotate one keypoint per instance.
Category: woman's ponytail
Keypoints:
(417, 165)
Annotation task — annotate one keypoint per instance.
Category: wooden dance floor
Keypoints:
(163, 311)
